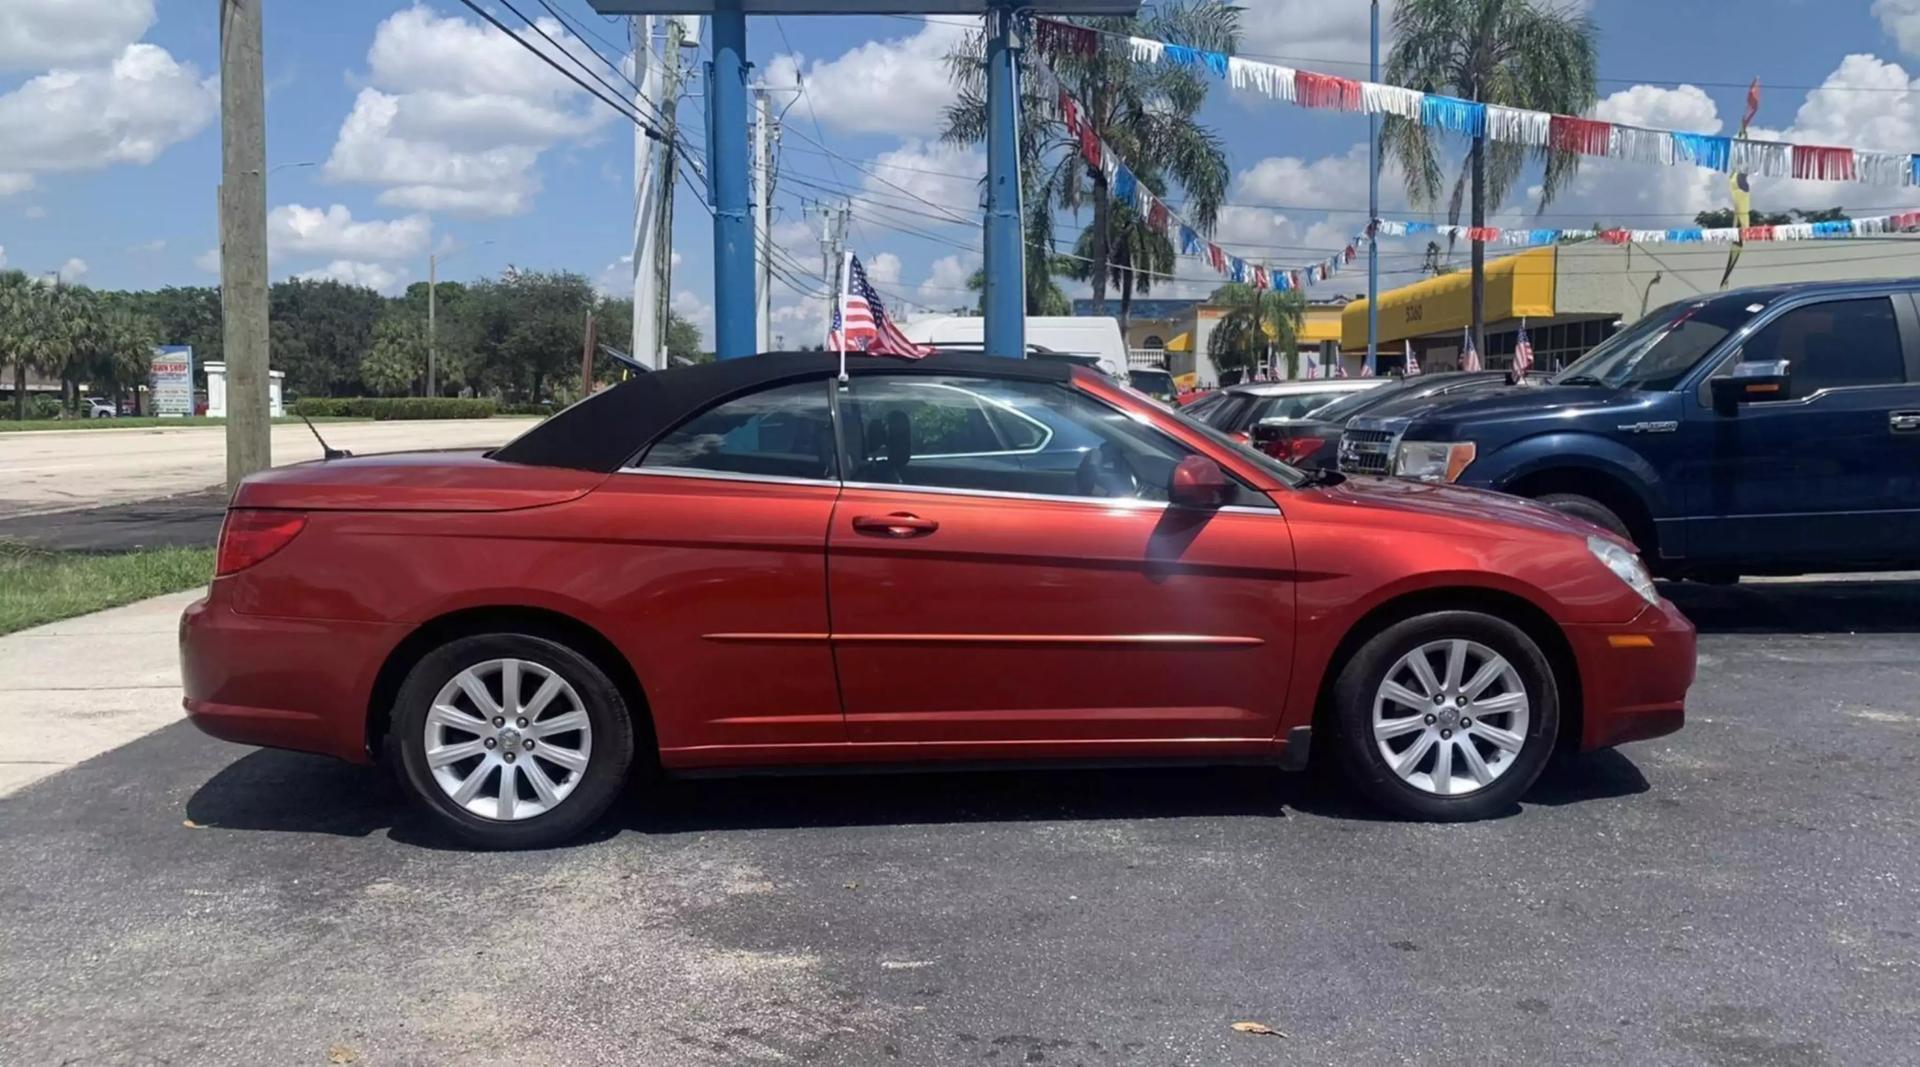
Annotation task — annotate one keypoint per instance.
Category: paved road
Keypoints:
(50, 471)
(1745, 892)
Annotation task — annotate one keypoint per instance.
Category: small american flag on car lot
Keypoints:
(860, 319)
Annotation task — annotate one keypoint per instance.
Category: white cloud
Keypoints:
(688, 305)
(74, 269)
(354, 272)
(939, 183)
(457, 115)
(37, 34)
(1312, 31)
(946, 284)
(158, 244)
(208, 261)
(884, 269)
(128, 112)
(301, 230)
(3, 255)
(1901, 21)
(12, 182)
(894, 86)
(616, 278)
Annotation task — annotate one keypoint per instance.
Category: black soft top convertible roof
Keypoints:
(605, 430)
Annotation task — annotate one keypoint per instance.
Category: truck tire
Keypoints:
(1588, 509)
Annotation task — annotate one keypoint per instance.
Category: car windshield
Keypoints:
(1289, 475)
(1656, 352)
(1354, 403)
(1149, 381)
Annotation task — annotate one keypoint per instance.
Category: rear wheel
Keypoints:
(1447, 716)
(512, 741)
(1589, 509)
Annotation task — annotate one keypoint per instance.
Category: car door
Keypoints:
(1060, 606)
(1831, 472)
(722, 524)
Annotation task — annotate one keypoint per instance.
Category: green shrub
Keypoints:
(383, 408)
(541, 408)
(43, 407)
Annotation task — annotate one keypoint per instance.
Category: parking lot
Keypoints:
(1744, 892)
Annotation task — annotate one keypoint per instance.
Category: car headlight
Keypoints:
(1432, 461)
(1625, 565)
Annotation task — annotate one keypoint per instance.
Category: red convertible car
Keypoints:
(755, 565)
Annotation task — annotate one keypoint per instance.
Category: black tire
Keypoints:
(1590, 510)
(609, 759)
(1366, 767)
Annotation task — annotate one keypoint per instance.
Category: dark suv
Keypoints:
(1760, 431)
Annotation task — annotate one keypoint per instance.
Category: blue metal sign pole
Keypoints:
(733, 273)
(1003, 237)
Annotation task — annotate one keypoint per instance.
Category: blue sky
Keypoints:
(424, 132)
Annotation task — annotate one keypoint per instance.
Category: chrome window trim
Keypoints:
(1107, 502)
(728, 476)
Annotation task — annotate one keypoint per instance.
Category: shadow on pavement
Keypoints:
(1825, 607)
(288, 792)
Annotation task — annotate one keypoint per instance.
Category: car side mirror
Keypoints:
(1198, 482)
(1751, 383)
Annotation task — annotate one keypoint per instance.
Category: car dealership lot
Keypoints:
(64, 470)
(1745, 891)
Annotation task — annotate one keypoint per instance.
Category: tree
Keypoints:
(1144, 111)
(319, 331)
(113, 352)
(1722, 218)
(683, 340)
(1049, 299)
(529, 326)
(397, 360)
(1260, 320)
(1517, 53)
(19, 332)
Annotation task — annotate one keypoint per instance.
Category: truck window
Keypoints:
(1659, 350)
(1833, 345)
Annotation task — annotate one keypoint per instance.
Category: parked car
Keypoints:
(1155, 382)
(746, 565)
(1311, 441)
(1762, 431)
(99, 407)
(1235, 409)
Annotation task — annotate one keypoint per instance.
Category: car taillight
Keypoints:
(249, 536)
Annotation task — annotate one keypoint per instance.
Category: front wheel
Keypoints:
(511, 740)
(1448, 716)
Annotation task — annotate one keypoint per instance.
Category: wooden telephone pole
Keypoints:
(243, 239)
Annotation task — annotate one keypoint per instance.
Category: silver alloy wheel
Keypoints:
(1450, 731)
(508, 739)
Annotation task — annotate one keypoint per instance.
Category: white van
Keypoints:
(1072, 335)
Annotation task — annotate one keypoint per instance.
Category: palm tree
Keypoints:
(17, 315)
(1516, 53)
(1145, 111)
(1260, 320)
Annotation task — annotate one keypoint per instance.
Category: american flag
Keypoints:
(1469, 356)
(1413, 365)
(860, 320)
(1366, 368)
(1522, 352)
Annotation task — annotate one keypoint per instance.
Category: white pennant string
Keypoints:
(1146, 51)
(1641, 146)
(1517, 126)
(1882, 168)
(1377, 99)
(1769, 159)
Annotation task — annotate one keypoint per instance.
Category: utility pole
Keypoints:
(671, 76)
(765, 131)
(833, 235)
(1004, 236)
(433, 268)
(243, 238)
(728, 187)
(651, 163)
(1373, 206)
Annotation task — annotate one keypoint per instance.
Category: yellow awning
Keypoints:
(1520, 286)
(1182, 343)
(1319, 324)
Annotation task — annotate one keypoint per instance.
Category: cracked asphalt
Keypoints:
(1744, 892)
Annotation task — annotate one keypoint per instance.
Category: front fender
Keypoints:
(1576, 450)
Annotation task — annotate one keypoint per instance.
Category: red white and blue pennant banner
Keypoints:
(1539, 129)
(1126, 188)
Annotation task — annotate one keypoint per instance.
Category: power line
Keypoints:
(645, 127)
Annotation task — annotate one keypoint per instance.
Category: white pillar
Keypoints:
(649, 342)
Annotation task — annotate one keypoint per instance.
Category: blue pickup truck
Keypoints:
(1758, 431)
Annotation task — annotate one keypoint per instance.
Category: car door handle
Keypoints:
(898, 524)
(1903, 422)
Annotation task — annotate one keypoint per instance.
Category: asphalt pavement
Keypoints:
(1744, 892)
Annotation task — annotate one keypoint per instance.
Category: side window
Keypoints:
(1073, 444)
(1835, 344)
(785, 431)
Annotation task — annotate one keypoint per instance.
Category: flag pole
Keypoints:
(846, 273)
